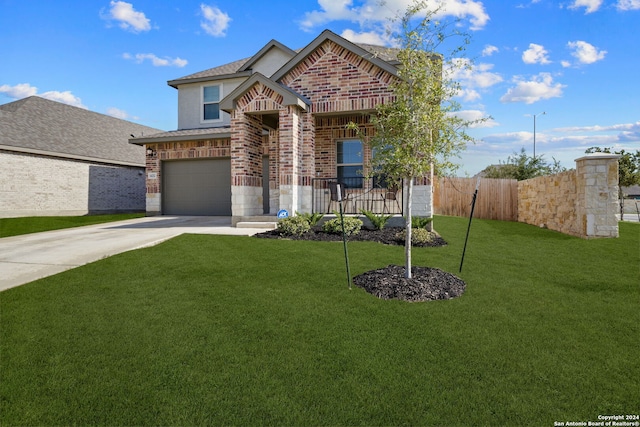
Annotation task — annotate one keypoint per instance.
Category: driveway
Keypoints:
(26, 258)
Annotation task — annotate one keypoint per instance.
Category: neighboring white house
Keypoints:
(56, 159)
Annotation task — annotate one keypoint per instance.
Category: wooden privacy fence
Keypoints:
(497, 198)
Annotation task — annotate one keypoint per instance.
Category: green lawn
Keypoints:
(35, 224)
(228, 330)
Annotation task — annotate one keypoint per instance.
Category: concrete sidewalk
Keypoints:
(26, 258)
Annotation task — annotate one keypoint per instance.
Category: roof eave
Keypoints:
(175, 83)
(228, 104)
(169, 138)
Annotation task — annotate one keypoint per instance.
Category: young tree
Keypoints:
(628, 170)
(521, 167)
(418, 134)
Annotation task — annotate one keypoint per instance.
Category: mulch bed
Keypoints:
(386, 236)
(426, 284)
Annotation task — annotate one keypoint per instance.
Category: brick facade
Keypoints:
(36, 185)
(337, 80)
(306, 111)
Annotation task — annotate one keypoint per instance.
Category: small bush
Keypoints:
(420, 222)
(311, 218)
(351, 226)
(293, 226)
(378, 221)
(419, 236)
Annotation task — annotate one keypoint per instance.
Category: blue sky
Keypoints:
(576, 60)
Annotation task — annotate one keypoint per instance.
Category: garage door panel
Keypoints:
(197, 187)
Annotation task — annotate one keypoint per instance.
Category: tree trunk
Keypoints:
(432, 185)
(407, 227)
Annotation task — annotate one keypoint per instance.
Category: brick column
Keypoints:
(290, 159)
(246, 165)
(308, 162)
(597, 198)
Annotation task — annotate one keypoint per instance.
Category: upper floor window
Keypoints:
(349, 163)
(211, 102)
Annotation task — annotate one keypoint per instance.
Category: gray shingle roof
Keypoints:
(39, 125)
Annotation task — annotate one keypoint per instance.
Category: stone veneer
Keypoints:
(581, 202)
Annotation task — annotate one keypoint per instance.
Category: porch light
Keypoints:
(151, 152)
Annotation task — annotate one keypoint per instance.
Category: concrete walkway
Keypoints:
(26, 258)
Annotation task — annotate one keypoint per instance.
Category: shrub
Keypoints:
(420, 222)
(311, 218)
(293, 226)
(419, 236)
(351, 226)
(378, 221)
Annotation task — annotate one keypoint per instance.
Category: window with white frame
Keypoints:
(211, 102)
(349, 163)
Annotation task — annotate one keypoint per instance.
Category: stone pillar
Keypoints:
(246, 165)
(597, 198)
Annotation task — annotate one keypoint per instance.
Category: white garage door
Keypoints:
(197, 187)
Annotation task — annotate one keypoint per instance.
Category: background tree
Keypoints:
(628, 170)
(521, 167)
(419, 134)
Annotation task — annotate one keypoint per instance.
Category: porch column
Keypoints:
(308, 162)
(246, 164)
(291, 160)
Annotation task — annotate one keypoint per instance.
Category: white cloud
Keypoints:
(19, 91)
(373, 12)
(216, 22)
(565, 64)
(536, 54)
(489, 50)
(623, 5)
(128, 17)
(586, 53)
(589, 5)
(634, 127)
(120, 114)
(470, 78)
(155, 60)
(24, 90)
(538, 88)
(65, 97)
(471, 115)
(370, 37)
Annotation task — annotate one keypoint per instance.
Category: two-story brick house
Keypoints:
(255, 136)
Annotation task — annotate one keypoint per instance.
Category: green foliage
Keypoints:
(352, 225)
(419, 131)
(311, 218)
(293, 226)
(420, 222)
(521, 167)
(418, 236)
(377, 220)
